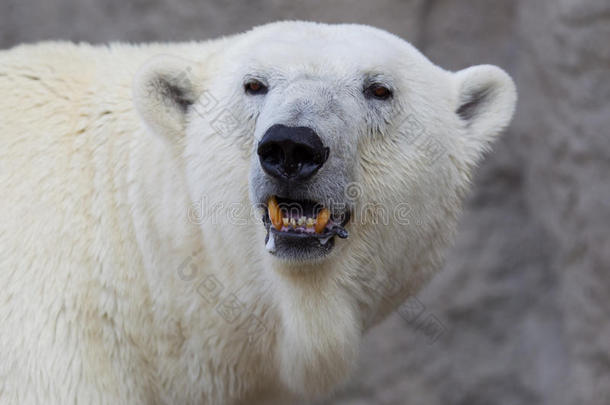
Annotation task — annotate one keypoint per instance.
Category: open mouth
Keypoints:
(304, 220)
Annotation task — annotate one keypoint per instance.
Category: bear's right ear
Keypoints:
(486, 98)
(163, 90)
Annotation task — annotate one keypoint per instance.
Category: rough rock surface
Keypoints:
(521, 313)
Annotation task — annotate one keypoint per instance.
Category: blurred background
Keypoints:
(521, 312)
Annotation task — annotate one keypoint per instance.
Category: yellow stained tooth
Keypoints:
(322, 220)
(293, 222)
(310, 222)
(275, 214)
(286, 221)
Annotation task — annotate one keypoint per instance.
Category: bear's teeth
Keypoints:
(275, 214)
(322, 220)
(270, 246)
(279, 221)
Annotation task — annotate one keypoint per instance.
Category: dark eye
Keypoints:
(255, 87)
(378, 91)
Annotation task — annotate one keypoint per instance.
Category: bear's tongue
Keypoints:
(283, 220)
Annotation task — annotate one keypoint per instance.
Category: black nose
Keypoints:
(291, 153)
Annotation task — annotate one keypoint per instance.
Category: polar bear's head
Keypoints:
(337, 156)
(326, 132)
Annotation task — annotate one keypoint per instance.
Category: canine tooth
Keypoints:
(275, 214)
(270, 246)
(322, 220)
(286, 221)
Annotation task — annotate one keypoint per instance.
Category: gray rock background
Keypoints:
(521, 312)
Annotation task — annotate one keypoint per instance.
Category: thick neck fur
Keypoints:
(309, 320)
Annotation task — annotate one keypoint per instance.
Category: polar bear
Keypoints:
(220, 222)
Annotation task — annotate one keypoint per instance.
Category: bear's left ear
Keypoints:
(486, 101)
(163, 90)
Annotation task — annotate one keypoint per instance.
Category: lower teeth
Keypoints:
(270, 246)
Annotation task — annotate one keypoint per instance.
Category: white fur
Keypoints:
(103, 250)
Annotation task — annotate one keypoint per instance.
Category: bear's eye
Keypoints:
(378, 91)
(255, 87)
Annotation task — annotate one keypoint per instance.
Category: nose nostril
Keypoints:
(302, 155)
(272, 154)
(291, 153)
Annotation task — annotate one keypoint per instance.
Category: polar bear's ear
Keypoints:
(486, 101)
(163, 90)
